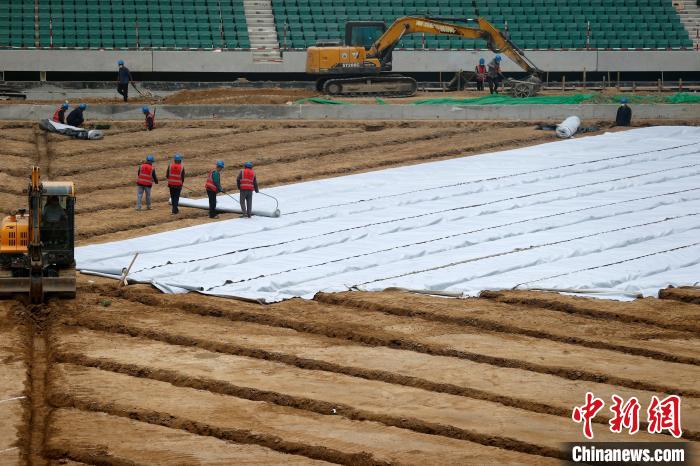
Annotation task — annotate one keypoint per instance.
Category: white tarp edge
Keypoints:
(618, 214)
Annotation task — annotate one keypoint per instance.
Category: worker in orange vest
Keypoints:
(480, 75)
(144, 181)
(247, 182)
(213, 186)
(150, 122)
(59, 116)
(175, 175)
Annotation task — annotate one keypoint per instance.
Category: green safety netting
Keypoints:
(508, 100)
(319, 100)
(677, 98)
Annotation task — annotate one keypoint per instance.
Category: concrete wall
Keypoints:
(551, 113)
(294, 62)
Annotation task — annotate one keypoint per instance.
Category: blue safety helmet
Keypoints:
(481, 61)
(220, 163)
(178, 158)
(64, 105)
(120, 62)
(248, 164)
(150, 158)
(623, 100)
(144, 109)
(498, 58)
(82, 106)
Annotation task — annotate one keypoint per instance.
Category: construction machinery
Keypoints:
(363, 65)
(37, 244)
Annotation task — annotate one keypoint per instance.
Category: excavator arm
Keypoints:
(495, 40)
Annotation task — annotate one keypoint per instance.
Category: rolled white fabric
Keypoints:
(568, 127)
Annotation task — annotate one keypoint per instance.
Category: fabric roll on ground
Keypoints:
(263, 205)
(568, 127)
(617, 213)
(68, 130)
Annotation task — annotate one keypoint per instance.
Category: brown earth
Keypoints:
(131, 376)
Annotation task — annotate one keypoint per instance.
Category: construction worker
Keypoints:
(247, 182)
(76, 117)
(213, 186)
(59, 116)
(494, 75)
(624, 114)
(123, 79)
(175, 175)
(150, 119)
(144, 181)
(480, 75)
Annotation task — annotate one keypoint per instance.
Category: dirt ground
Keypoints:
(132, 376)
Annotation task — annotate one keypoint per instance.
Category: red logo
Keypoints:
(665, 415)
(587, 412)
(626, 416)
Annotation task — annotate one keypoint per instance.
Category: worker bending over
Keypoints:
(480, 75)
(175, 175)
(123, 80)
(144, 181)
(624, 114)
(59, 116)
(494, 76)
(247, 183)
(150, 122)
(213, 186)
(76, 117)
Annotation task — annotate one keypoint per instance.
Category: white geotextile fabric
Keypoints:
(616, 213)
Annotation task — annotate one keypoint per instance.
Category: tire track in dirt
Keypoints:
(211, 154)
(290, 155)
(305, 404)
(84, 388)
(690, 295)
(574, 306)
(385, 340)
(323, 404)
(400, 342)
(495, 326)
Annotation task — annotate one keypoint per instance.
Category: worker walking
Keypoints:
(213, 186)
(480, 75)
(123, 79)
(247, 183)
(144, 181)
(59, 116)
(494, 75)
(175, 175)
(150, 122)
(624, 114)
(76, 117)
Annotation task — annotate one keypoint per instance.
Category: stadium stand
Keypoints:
(179, 24)
(195, 24)
(533, 24)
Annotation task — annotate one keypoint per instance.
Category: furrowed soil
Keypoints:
(123, 376)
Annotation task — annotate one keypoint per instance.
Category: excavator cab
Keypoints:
(37, 244)
(364, 34)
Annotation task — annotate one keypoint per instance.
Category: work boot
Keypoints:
(148, 208)
(215, 216)
(138, 208)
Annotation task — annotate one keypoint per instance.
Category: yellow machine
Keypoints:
(361, 66)
(37, 245)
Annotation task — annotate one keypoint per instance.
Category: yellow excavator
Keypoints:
(37, 244)
(362, 66)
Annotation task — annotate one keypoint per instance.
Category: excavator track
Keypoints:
(375, 86)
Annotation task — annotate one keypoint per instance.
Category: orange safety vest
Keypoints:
(151, 116)
(210, 185)
(175, 174)
(145, 177)
(55, 115)
(480, 72)
(247, 179)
